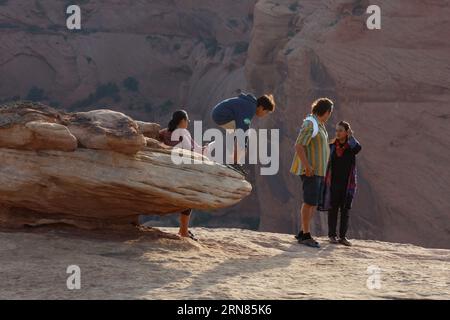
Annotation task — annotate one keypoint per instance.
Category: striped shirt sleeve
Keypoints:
(305, 135)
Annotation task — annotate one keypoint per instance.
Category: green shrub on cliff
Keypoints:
(36, 94)
(107, 90)
(131, 84)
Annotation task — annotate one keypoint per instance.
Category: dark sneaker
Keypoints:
(333, 240)
(192, 236)
(310, 243)
(304, 236)
(345, 242)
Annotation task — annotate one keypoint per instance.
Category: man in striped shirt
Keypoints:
(312, 152)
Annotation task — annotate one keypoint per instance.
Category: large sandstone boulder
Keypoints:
(41, 182)
(34, 127)
(148, 129)
(106, 130)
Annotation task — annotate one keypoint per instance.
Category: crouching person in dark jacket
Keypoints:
(340, 182)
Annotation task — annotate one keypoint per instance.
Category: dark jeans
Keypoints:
(338, 204)
(332, 221)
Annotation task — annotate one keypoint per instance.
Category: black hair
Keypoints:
(344, 124)
(267, 102)
(176, 119)
(322, 106)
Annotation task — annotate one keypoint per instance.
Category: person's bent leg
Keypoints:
(230, 151)
(185, 216)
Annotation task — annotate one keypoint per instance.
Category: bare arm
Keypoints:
(300, 149)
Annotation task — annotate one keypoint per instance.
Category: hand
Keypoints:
(309, 171)
(332, 141)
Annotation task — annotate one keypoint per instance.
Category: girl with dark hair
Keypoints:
(182, 139)
(340, 181)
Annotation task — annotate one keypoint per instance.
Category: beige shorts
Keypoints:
(229, 125)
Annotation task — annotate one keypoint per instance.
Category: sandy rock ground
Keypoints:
(225, 264)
